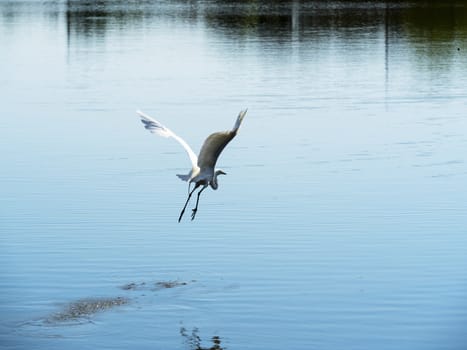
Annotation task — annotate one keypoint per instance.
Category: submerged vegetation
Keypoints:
(85, 308)
(154, 286)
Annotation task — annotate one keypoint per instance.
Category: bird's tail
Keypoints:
(184, 177)
(240, 117)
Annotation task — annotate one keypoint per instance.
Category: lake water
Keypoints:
(342, 222)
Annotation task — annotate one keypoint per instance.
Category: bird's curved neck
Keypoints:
(213, 182)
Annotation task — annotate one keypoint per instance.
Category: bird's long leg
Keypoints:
(193, 214)
(186, 203)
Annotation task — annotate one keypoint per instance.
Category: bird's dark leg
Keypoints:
(187, 200)
(193, 214)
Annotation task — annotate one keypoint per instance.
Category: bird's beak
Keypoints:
(222, 172)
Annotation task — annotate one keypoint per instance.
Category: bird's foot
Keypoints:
(193, 214)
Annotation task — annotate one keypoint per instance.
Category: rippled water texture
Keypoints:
(341, 223)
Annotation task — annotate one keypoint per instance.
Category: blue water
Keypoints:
(341, 223)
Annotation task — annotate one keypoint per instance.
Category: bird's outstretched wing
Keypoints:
(215, 143)
(157, 128)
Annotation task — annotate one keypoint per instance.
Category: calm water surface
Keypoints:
(341, 223)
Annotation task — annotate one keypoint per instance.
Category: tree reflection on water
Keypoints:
(281, 21)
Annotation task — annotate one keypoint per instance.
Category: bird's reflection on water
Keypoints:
(194, 341)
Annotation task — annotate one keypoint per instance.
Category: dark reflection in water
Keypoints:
(440, 24)
(277, 19)
(95, 18)
(437, 25)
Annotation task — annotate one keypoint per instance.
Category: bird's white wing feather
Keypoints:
(157, 128)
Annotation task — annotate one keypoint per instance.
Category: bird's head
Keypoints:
(214, 183)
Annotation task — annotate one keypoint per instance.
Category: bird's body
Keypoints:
(203, 167)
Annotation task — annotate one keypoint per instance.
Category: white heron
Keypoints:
(203, 171)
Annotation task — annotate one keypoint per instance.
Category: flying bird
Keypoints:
(203, 171)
